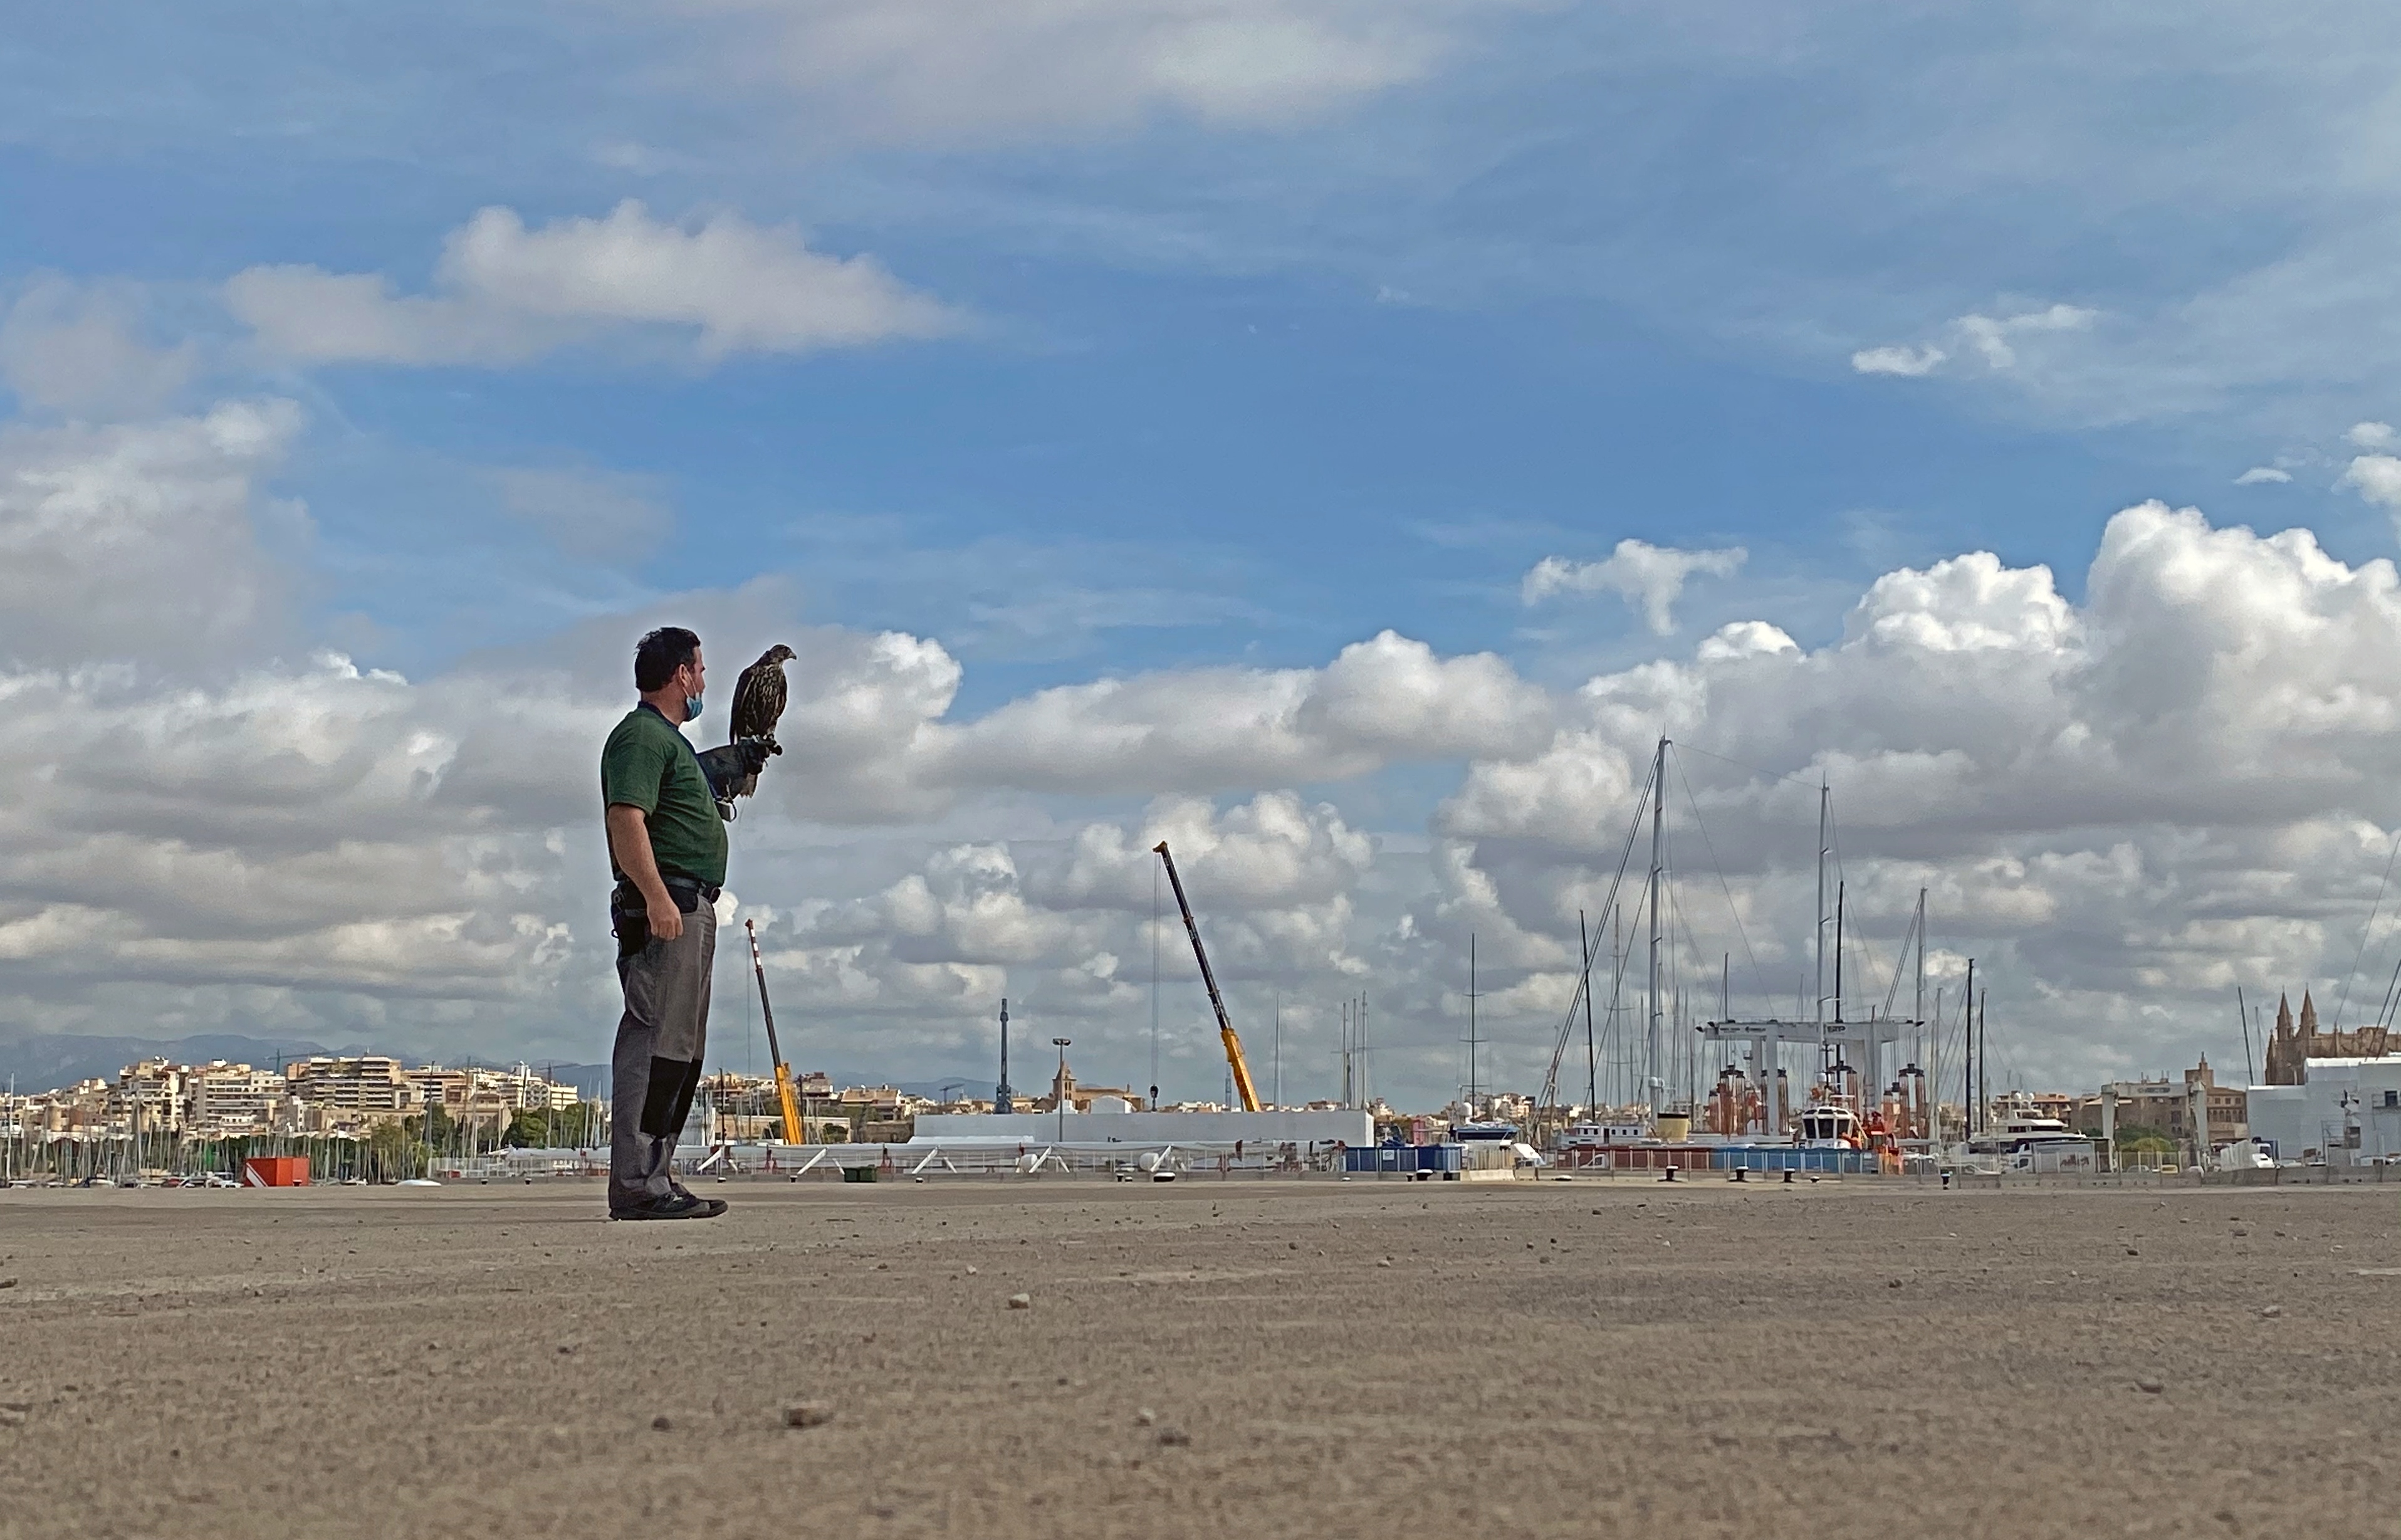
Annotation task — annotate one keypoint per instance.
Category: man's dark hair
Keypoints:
(659, 655)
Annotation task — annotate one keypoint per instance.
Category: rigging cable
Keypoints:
(1796, 776)
(1567, 1028)
(2392, 995)
(2365, 932)
(1892, 991)
(1853, 941)
(1707, 844)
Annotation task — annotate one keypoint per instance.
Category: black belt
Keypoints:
(628, 896)
(629, 912)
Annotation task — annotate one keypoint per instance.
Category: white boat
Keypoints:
(1468, 1132)
(1592, 1135)
(2247, 1155)
(2032, 1144)
(1827, 1125)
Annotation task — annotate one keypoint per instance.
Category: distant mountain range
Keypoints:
(47, 1061)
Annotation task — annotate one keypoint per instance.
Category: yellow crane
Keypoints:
(784, 1092)
(1234, 1060)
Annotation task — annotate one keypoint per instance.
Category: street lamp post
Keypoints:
(1058, 1089)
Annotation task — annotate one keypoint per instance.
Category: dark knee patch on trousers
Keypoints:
(691, 1089)
(668, 1096)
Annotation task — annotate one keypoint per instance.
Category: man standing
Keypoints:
(667, 848)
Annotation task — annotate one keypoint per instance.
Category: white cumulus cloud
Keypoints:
(2377, 478)
(2121, 804)
(925, 69)
(2262, 475)
(1993, 340)
(1386, 700)
(1649, 577)
(78, 349)
(1992, 336)
(2122, 807)
(503, 293)
(1908, 363)
(143, 542)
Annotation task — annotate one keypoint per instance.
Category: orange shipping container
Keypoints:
(275, 1171)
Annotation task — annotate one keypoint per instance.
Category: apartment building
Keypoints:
(343, 1094)
(520, 1090)
(225, 1100)
(148, 1097)
(435, 1086)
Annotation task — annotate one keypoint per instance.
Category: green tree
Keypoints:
(394, 1151)
(576, 1127)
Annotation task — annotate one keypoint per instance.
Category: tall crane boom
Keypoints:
(1234, 1059)
(791, 1104)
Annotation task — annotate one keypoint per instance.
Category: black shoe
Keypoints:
(682, 1191)
(672, 1206)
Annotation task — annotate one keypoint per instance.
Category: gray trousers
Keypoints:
(655, 1068)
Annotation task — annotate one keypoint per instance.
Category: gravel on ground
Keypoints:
(1211, 1358)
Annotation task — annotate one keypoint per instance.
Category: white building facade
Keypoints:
(2349, 1111)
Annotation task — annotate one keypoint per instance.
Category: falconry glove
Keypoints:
(733, 769)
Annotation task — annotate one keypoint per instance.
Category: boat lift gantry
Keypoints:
(1870, 1048)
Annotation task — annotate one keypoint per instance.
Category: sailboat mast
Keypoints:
(1968, 1037)
(1591, 1051)
(1617, 997)
(1825, 796)
(1838, 951)
(1658, 859)
(1927, 1057)
(1934, 1072)
(1470, 1024)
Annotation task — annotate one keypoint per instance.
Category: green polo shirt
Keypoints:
(649, 764)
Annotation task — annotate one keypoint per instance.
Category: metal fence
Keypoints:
(887, 1162)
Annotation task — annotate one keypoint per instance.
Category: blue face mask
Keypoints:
(692, 707)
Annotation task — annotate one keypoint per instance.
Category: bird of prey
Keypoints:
(759, 697)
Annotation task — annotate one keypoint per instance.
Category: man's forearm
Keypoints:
(629, 845)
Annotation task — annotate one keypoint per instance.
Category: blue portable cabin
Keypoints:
(1792, 1158)
(1401, 1159)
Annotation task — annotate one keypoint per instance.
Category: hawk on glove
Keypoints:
(759, 697)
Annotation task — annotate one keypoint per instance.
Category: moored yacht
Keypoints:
(1829, 1125)
(2024, 1143)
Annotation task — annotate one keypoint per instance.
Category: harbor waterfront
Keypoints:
(367, 1118)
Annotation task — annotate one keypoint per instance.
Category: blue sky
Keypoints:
(1202, 334)
(1633, 267)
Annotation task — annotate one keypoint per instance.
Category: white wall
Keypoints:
(2302, 1117)
(1147, 1128)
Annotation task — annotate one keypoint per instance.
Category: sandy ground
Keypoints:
(1211, 1359)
